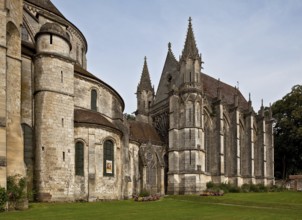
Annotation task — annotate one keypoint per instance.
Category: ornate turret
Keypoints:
(145, 95)
(190, 49)
(190, 63)
(145, 82)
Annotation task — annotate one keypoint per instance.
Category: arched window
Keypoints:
(108, 158)
(93, 100)
(79, 159)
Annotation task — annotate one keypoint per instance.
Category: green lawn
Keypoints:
(284, 205)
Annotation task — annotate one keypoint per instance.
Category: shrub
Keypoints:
(210, 185)
(3, 199)
(234, 189)
(245, 188)
(144, 193)
(16, 190)
(275, 188)
(262, 188)
(224, 186)
(254, 188)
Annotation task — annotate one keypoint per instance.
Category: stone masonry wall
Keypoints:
(107, 104)
(94, 185)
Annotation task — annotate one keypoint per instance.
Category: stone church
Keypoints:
(64, 129)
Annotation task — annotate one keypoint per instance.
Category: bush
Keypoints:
(254, 188)
(3, 199)
(246, 188)
(234, 189)
(16, 190)
(210, 185)
(275, 188)
(224, 186)
(262, 188)
(227, 187)
(144, 193)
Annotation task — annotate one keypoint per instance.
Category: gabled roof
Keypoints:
(143, 133)
(46, 4)
(145, 81)
(228, 92)
(168, 76)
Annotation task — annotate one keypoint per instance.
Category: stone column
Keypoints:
(162, 182)
(14, 137)
(2, 93)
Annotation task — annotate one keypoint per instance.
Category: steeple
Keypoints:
(145, 81)
(190, 49)
(144, 95)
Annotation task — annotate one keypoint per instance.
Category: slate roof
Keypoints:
(169, 73)
(228, 92)
(88, 117)
(46, 4)
(143, 133)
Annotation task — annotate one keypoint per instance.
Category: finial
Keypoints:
(145, 58)
(249, 96)
(218, 90)
(261, 102)
(238, 85)
(190, 19)
(218, 83)
(169, 46)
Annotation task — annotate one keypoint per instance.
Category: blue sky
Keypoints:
(257, 43)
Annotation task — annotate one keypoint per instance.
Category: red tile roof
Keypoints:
(143, 133)
(92, 118)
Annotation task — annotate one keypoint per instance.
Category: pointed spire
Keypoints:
(262, 109)
(145, 81)
(190, 49)
(270, 111)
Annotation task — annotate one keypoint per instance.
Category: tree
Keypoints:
(129, 117)
(288, 133)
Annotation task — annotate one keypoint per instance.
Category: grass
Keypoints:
(277, 205)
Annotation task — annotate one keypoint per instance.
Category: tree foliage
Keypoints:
(288, 133)
(129, 117)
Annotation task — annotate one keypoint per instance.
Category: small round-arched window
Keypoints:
(79, 159)
(94, 100)
(108, 158)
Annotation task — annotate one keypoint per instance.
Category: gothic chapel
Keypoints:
(63, 128)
